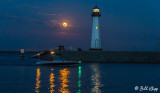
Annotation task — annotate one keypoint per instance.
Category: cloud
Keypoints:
(49, 14)
(59, 24)
(31, 20)
(52, 23)
(75, 26)
(8, 16)
(27, 5)
(35, 20)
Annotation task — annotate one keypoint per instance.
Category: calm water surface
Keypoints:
(23, 76)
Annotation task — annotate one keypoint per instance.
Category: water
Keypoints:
(23, 76)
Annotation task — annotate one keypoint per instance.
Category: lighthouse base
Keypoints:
(96, 49)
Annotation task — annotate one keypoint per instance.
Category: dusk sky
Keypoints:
(36, 24)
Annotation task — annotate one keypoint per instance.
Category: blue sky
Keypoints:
(35, 24)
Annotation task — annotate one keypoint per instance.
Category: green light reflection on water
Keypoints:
(79, 80)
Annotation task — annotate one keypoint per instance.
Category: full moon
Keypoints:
(65, 24)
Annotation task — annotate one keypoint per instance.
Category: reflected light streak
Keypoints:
(51, 83)
(96, 79)
(38, 81)
(64, 74)
(79, 80)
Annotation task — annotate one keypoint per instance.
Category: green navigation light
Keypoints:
(80, 61)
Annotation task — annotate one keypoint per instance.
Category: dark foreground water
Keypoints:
(23, 76)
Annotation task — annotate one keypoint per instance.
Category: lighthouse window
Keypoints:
(95, 10)
(96, 27)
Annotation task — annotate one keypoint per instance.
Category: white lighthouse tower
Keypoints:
(95, 39)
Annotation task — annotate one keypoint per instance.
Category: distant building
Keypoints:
(61, 48)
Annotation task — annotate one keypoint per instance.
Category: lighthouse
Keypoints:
(95, 38)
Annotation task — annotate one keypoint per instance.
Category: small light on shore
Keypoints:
(52, 52)
(38, 54)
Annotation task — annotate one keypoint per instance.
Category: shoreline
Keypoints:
(19, 51)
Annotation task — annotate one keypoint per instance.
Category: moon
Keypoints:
(65, 24)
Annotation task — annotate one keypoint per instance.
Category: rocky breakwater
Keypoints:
(110, 56)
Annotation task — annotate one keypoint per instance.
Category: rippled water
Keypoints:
(23, 76)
